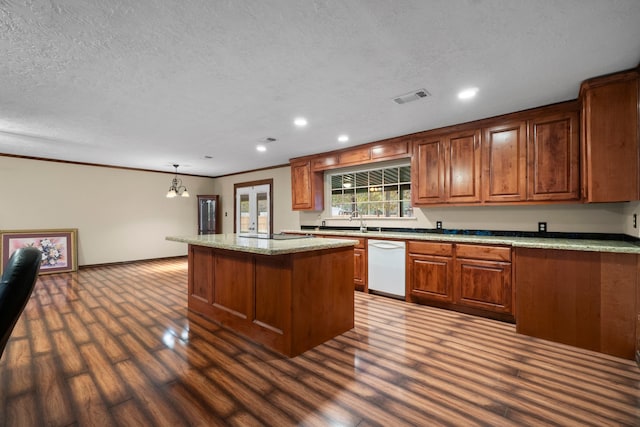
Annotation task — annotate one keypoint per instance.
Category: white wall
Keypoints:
(121, 215)
(283, 217)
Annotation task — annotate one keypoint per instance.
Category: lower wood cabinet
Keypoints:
(429, 272)
(471, 278)
(360, 268)
(483, 278)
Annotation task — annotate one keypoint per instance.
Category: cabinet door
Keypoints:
(554, 157)
(610, 138)
(306, 187)
(427, 171)
(429, 277)
(504, 162)
(484, 285)
(462, 167)
(360, 269)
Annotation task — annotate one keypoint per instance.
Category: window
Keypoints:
(374, 193)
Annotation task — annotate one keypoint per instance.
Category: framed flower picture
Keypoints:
(58, 247)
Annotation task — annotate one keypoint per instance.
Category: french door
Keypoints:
(253, 210)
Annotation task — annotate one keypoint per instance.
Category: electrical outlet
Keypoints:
(225, 214)
(635, 220)
(439, 225)
(542, 227)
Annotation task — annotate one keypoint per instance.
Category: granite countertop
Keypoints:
(519, 242)
(262, 246)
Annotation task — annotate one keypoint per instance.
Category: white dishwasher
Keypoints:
(386, 260)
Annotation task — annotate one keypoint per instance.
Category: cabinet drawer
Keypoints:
(430, 248)
(494, 253)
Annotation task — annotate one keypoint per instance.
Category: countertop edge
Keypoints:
(267, 247)
(609, 246)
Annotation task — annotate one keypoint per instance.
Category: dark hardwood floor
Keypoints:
(115, 345)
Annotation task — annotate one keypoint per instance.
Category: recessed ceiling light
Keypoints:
(261, 148)
(300, 121)
(468, 93)
(343, 138)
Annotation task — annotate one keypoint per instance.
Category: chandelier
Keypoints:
(176, 188)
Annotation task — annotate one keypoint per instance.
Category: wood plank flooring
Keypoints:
(116, 345)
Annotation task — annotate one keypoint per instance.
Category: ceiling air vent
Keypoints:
(411, 96)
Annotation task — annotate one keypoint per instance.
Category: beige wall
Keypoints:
(595, 218)
(630, 209)
(283, 217)
(121, 215)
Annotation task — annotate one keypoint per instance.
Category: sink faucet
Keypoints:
(363, 225)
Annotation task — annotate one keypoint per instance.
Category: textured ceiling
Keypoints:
(148, 83)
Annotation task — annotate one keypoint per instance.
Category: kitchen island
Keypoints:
(288, 295)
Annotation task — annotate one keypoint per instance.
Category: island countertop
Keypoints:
(262, 246)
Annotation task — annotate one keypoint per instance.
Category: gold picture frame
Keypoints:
(59, 248)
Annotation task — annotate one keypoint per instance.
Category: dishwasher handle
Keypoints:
(386, 245)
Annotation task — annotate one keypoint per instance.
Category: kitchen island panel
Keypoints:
(323, 304)
(233, 283)
(201, 274)
(289, 303)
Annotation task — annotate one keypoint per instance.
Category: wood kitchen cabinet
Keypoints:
(307, 173)
(307, 189)
(462, 166)
(504, 162)
(553, 157)
(446, 168)
(429, 272)
(483, 278)
(427, 171)
(531, 156)
(475, 279)
(610, 137)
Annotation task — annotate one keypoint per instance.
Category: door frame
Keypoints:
(253, 184)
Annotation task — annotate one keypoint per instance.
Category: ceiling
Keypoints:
(149, 83)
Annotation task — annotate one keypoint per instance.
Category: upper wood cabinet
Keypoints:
(307, 190)
(446, 168)
(543, 155)
(462, 167)
(553, 157)
(504, 162)
(532, 156)
(427, 171)
(307, 173)
(610, 138)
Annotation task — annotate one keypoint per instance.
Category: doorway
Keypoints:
(253, 208)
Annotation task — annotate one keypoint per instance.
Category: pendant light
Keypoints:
(176, 188)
